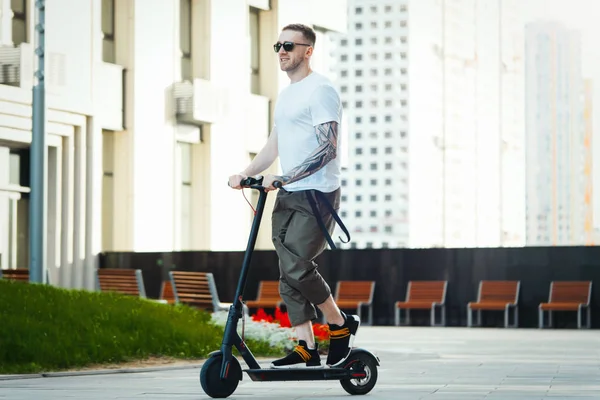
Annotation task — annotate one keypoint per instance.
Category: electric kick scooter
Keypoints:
(222, 372)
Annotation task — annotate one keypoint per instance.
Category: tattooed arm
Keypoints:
(327, 136)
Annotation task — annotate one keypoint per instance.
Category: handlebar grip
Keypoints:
(277, 184)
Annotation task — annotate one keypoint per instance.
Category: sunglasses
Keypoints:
(287, 46)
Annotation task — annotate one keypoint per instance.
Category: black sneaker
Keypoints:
(341, 339)
(300, 357)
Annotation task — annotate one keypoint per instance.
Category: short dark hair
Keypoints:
(307, 32)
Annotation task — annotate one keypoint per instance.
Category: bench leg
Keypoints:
(550, 319)
(516, 316)
(506, 317)
(443, 315)
(432, 316)
(589, 318)
(469, 317)
(540, 318)
(371, 314)
(478, 317)
(397, 317)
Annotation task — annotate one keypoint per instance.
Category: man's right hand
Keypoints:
(235, 180)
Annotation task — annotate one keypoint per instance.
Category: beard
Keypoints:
(290, 66)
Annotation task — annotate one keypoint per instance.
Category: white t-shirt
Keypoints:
(299, 109)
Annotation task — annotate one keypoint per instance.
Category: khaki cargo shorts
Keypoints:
(298, 240)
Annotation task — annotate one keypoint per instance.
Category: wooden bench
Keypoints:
(121, 280)
(19, 274)
(354, 295)
(423, 295)
(166, 292)
(197, 289)
(567, 296)
(267, 297)
(496, 296)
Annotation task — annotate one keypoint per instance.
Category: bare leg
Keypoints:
(331, 312)
(304, 332)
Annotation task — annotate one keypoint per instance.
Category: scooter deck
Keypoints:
(300, 374)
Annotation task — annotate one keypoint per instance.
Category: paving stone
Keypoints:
(416, 363)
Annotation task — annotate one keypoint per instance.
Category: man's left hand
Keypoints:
(268, 181)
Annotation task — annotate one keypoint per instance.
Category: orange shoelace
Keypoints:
(339, 334)
(304, 354)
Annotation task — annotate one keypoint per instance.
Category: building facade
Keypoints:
(434, 97)
(151, 105)
(559, 133)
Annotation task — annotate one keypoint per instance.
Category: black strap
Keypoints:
(336, 217)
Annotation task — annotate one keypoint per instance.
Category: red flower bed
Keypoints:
(321, 331)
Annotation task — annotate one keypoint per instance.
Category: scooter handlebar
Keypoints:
(256, 183)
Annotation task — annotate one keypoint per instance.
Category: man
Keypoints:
(305, 137)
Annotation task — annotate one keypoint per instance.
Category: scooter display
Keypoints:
(222, 372)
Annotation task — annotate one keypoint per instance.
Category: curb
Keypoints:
(97, 372)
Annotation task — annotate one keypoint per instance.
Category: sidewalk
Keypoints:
(416, 363)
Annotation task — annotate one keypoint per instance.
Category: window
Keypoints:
(344, 89)
(388, 40)
(388, 165)
(358, 41)
(373, 24)
(358, 182)
(358, 88)
(373, 197)
(402, 134)
(388, 229)
(358, 120)
(388, 150)
(403, 55)
(344, 57)
(388, 71)
(373, 118)
(373, 71)
(358, 197)
(403, 24)
(357, 214)
(344, 42)
(358, 26)
(108, 31)
(344, 182)
(358, 72)
(403, 39)
(358, 104)
(403, 8)
(373, 213)
(108, 203)
(373, 166)
(373, 150)
(358, 151)
(358, 135)
(388, 103)
(388, 87)
(358, 167)
(388, 197)
(373, 182)
(388, 118)
(358, 10)
(388, 56)
(388, 134)
(185, 201)
(343, 73)
(388, 8)
(388, 24)
(373, 40)
(388, 182)
(358, 57)
(388, 213)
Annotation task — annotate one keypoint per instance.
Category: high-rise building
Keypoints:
(433, 94)
(556, 137)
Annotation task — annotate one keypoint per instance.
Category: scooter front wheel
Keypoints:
(363, 368)
(210, 377)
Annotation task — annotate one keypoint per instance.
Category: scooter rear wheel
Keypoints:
(365, 366)
(210, 377)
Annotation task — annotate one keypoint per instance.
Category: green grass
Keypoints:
(44, 328)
